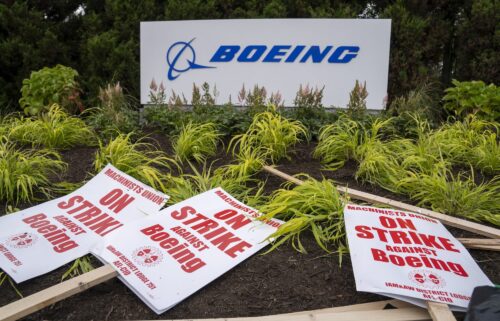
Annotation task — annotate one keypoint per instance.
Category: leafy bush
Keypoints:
(196, 141)
(270, 132)
(314, 206)
(309, 110)
(49, 86)
(115, 113)
(23, 173)
(54, 129)
(168, 120)
(229, 119)
(473, 97)
(138, 159)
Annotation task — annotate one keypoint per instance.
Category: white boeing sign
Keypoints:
(278, 54)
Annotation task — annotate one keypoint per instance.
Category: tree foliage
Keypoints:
(431, 41)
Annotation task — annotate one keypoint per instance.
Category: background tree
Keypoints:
(431, 42)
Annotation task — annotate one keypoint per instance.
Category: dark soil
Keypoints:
(279, 282)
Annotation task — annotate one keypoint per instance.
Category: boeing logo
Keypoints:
(181, 56)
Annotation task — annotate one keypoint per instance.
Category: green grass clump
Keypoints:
(249, 162)
(25, 172)
(196, 141)
(337, 143)
(185, 186)
(80, 266)
(314, 206)
(138, 159)
(485, 155)
(270, 133)
(54, 129)
(456, 195)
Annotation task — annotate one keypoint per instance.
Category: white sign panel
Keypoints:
(409, 257)
(42, 238)
(167, 257)
(279, 54)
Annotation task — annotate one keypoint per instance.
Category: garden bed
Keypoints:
(278, 282)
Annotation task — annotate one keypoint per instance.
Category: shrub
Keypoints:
(196, 141)
(138, 159)
(419, 101)
(54, 129)
(115, 113)
(168, 120)
(23, 173)
(270, 132)
(314, 206)
(473, 97)
(49, 86)
(309, 109)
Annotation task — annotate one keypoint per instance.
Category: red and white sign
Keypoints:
(42, 238)
(410, 257)
(167, 257)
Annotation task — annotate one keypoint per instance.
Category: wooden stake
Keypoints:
(405, 314)
(378, 305)
(440, 311)
(481, 244)
(374, 199)
(56, 293)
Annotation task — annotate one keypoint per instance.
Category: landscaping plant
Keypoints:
(309, 110)
(80, 266)
(196, 142)
(185, 186)
(356, 108)
(473, 97)
(270, 132)
(485, 155)
(23, 172)
(54, 129)
(337, 143)
(314, 206)
(49, 86)
(5, 277)
(139, 159)
(455, 194)
(115, 113)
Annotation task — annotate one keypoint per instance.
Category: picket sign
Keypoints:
(374, 199)
(436, 311)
